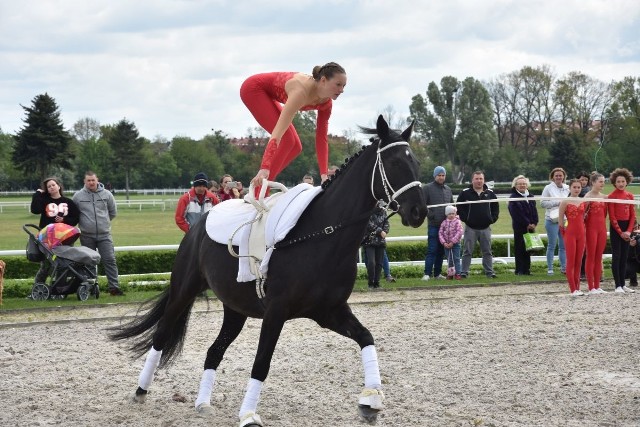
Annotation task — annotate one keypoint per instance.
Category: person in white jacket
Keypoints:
(556, 188)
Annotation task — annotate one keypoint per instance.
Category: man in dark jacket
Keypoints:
(435, 193)
(478, 218)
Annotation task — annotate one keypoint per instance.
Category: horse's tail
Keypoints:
(144, 327)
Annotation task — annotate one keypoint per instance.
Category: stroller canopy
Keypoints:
(54, 235)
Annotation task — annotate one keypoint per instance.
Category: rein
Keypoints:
(388, 189)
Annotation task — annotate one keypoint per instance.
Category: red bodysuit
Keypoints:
(264, 95)
(574, 241)
(596, 232)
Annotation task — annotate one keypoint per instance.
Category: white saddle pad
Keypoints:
(231, 220)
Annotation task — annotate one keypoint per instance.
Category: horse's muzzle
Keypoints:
(414, 216)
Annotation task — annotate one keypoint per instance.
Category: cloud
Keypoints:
(174, 67)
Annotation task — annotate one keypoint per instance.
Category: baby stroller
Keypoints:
(73, 269)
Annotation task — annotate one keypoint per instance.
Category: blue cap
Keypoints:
(438, 170)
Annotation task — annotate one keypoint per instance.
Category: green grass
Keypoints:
(407, 278)
(150, 225)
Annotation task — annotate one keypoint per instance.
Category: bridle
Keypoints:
(389, 191)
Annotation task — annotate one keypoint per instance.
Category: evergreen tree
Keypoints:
(42, 144)
(127, 148)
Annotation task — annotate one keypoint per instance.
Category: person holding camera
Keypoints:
(195, 202)
(229, 189)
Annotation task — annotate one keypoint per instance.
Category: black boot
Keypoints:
(376, 285)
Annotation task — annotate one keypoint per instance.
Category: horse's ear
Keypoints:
(406, 135)
(382, 127)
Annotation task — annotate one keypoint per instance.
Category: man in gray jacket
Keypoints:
(97, 208)
(435, 193)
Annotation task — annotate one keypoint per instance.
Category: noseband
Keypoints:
(390, 192)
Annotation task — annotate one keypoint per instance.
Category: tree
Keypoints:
(457, 123)
(42, 143)
(127, 148)
(86, 129)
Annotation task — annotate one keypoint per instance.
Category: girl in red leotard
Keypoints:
(572, 209)
(596, 232)
(275, 98)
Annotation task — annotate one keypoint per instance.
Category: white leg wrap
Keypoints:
(206, 387)
(251, 397)
(150, 365)
(371, 369)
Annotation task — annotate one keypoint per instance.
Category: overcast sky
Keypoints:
(174, 67)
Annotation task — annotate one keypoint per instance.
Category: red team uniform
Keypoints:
(574, 243)
(264, 94)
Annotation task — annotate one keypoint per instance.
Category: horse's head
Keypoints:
(395, 174)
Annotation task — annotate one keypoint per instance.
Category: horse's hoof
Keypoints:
(204, 409)
(368, 414)
(251, 420)
(140, 396)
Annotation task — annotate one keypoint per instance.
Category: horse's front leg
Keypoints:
(232, 325)
(272, 325)
(342, 320)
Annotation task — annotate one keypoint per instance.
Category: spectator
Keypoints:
(633, 260)
(450, 235)
(229, 189)
(386, 269)
(524, 219)
(52, 206)
(194, 203)
(435, 193)
(308, 179)
(584, 179)
(374, 243)
(595, 216)
(558, 189)
(213, 186)
(622, 218)
(478, 219)
(97, 208)
(573, 233)
(274, 99)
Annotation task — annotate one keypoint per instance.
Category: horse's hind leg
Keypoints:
(344, 322)
(170, 330)
(232, 324)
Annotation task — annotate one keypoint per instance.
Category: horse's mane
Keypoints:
(347, 162)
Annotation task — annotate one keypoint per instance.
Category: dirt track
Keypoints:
(500, 356)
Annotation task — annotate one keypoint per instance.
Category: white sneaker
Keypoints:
(441, 277)
(577, 293)
(425, 277)
(601, 291)
(549, 272)
(628, 289)
(594, 292)
(619, 290)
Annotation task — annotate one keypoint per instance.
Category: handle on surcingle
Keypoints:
(259, 204)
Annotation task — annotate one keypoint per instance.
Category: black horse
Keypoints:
(311, 275)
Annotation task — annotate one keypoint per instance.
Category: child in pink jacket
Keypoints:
(450, 234)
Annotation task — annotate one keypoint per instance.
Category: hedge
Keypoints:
(140, 262)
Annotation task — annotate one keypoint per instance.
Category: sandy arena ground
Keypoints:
(513, 355)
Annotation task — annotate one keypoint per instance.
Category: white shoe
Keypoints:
(549, 272)
(619, 290)
(425, 277)
(577, 293)
(601, 291)
(594, 292)
(628, 289)
(441, 277)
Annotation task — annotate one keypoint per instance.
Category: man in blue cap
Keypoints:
(435, 193)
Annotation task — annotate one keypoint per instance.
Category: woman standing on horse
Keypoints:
(275, 98)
